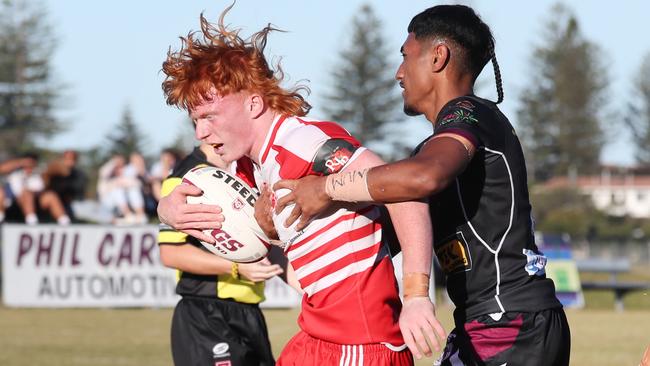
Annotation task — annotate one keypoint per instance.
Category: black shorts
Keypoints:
(527, 339)
(213, 332)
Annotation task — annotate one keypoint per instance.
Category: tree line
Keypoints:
(563, 117)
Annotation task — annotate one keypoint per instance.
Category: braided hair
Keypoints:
(462, 26)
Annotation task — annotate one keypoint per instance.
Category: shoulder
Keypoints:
(463, 110)
(304, 146)
(302, 138)
(301, 130)
(468, 116)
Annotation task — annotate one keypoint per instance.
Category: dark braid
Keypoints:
(497, 74)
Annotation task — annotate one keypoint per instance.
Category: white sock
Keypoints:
(31, 219)
(63, 220)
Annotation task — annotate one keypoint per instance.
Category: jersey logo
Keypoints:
(219, 352)
(453, 255)
(459, 115)
(332, 156)
(220, 348)
(535, 263)
(466, 104)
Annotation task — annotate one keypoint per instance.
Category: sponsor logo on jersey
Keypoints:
(459, 115)
(453, 254)
(219, 352)
(535, 263)
(333, 156)
(466, 104)
(220, 348)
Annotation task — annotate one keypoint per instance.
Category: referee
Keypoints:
(218, 320)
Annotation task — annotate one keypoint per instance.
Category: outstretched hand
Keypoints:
(418, 323)
(308, 197)
(260, 271)
(191, 219)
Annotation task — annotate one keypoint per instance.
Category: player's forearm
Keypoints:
(395, 182)
(429, 172)
(188, 258)
(413, 228)
(292, 279)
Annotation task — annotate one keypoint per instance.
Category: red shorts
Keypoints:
(305, 350)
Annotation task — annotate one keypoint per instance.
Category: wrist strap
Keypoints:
(349, 186)
(415, 285)
(234, 270)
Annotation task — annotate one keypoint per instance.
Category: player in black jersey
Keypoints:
(472, 170)
(218, 320)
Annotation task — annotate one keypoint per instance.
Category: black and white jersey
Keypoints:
(482, 221)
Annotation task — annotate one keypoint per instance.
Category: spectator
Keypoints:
(66, 180)
(7, 167)
(169, 157)
(120, 189)
(28, 191)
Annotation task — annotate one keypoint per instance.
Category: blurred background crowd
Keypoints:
(122, 190)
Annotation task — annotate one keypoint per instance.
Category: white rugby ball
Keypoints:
(240, 238)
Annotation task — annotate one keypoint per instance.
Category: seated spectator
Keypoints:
(27, 188)
(66, 180)
(169, 157)
(7, 167)
(120, 189)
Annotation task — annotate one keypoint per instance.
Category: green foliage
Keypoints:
(126, 138)
(364, 97)
(638, 115)
(572, 221)
(562, 107)
(28, 92)
(563, 210)
(567, 211)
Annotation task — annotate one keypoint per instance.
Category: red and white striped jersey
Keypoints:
(340, 259)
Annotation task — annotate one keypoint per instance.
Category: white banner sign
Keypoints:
(94, 266)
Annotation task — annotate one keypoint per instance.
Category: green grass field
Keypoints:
(140, 337)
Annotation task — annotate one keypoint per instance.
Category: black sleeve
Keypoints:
(460, 117)
(332, 156)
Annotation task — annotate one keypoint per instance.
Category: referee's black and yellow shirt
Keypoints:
(221, 286)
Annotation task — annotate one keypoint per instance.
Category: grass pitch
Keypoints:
(74, 337)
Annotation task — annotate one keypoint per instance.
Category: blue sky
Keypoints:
(110, 54)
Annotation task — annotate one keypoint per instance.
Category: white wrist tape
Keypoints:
(349, 186)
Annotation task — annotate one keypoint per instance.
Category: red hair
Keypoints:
(221, 60)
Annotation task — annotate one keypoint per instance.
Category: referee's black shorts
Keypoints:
(517, 339)
(214, 332)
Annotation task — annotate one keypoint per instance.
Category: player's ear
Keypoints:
(440, 56)
(255, 105)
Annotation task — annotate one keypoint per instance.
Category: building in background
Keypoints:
(616, 191)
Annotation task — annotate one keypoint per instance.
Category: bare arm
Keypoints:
(414, 231)
(276, 256)
(430, 171)
(10, 165)
(437, 164)
(189, 258)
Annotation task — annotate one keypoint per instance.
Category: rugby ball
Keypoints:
(240, 238)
